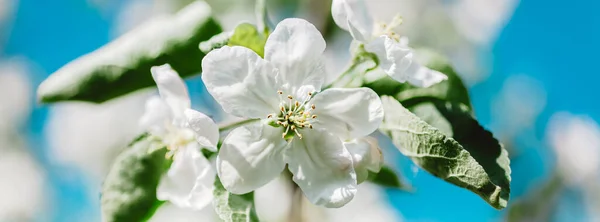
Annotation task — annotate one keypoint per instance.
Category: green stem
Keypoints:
(235, 124)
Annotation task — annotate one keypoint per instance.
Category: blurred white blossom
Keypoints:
(517, 106)
(481, 21)
(136, 12)
(576, 143)
(22, 183)
(229, 13)
(89, 136)
(15, 104)
(22, 187)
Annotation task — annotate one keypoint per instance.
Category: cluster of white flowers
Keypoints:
(321, 134)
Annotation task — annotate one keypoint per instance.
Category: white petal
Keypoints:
(156, 116)
(353, 16)
(398, 61)
(295, 47)
(422, 76)
(242, 82)
(386, 61)
(366, 156)
(348, 113)
(250, 157)
(322, 168)
(207, 132)
(172, 89)
(189, 181)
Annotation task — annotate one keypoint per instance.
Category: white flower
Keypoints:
(301, 127)
(22, 187)
(395, 57)
(576, 143)
(189, 181)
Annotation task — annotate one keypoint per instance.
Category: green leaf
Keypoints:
(129, 190)
(480, 165)
(386, 178)
(123, 65)
(247, 35)
(231, 207)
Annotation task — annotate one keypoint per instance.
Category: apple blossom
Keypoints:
(189, 181)
(395, 57)
(300, 126)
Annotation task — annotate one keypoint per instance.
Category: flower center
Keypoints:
(293, 115)
(176, 138)
(388, 28)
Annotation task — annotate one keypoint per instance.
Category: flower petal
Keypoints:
(207, 132)
(322, 168)
(422, 76)
(352, 16)
(397, 60)
(172, 89)
(156, 116)
(348, 113)
(189, 181)
(242, 82)
(250, 157)
(295, 47)
(366, 156)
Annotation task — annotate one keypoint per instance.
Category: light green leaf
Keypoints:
(231, 207)
(483, 170)
(386, 177)
(455, 120)
(129, 190)
(247, 35)
(123, 65)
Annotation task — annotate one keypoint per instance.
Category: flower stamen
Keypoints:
(295, 115)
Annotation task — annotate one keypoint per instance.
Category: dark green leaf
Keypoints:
(129, 191)
(387, 178)
(123, 65)
(231, 207)
(480, 165)
(247, 35)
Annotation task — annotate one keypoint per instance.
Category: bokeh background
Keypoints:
(529, 65)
